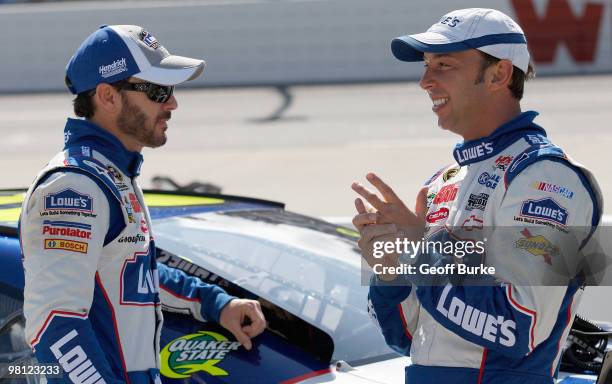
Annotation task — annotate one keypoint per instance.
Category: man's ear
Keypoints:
(108, 99)
(500, 75)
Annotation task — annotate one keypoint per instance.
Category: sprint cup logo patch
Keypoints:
(193, 353)
(66, 245)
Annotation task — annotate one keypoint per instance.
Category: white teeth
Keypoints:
(439, 102)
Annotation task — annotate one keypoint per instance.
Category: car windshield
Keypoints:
(308, 267)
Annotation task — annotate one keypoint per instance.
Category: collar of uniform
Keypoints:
(481, 149)
(86, 133)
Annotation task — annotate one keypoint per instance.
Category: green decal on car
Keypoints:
(164, 200)
(347, 231)
(193, 353)
(10, 207)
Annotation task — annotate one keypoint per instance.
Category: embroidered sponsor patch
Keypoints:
(135, 203)
(477, 201)
(503, 162)
(148, 39)
(535, 139)
(143, 225)
(488, 180)
(69, 200)
(547, 187)
(450, 173)
(128, 210)
(473, 152)
(537, 246)
(472, 223)
(115, 174)
(115, 68)
(138, 238)
(545, 209)
(66, 245)
(446, 193)
(440, 214)
(66, 228)
(430, 198)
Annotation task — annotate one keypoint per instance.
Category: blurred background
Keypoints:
(302, 97)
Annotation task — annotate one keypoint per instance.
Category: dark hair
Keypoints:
(517, 85)
(83, 102)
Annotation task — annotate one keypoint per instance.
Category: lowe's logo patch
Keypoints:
(69, 200)
(546, 209)
(193, 353)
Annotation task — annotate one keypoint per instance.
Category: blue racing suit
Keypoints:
(532, 199)
(92, 284)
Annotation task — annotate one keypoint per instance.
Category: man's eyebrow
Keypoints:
(438, 55)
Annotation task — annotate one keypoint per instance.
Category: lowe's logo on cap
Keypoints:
(149, 39)
(113, 69)
(545, 209)
(69, 200)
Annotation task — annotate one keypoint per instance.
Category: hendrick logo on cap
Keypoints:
(149, 39)
(118, 66)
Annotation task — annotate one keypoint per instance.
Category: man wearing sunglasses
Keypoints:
(93, 290)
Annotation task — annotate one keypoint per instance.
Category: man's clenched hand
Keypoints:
(244, 319)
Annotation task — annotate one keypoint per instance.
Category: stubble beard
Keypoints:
(133, 122)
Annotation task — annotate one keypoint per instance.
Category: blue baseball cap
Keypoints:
(487, 30)
(117, 52)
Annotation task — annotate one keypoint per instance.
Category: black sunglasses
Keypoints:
(155, 92)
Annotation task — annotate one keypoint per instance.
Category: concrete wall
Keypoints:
(280, 42)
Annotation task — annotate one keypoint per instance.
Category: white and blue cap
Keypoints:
(487, 30)
(116, 52)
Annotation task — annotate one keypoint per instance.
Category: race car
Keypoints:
(306, 273)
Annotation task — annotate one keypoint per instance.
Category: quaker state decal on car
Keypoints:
(197, 352)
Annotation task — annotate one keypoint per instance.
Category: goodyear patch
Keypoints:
(198, 352)
(69, 200)
(66, 245)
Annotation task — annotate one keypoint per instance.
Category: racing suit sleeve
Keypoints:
(62, 230)
(395, 310)
(539, 226)
(182, 293)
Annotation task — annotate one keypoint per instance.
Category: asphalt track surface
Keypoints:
(327, 138)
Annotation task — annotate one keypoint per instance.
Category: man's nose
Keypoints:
(427, 80)
(171, 104)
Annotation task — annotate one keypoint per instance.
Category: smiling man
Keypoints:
(93, 290)
(509, 181)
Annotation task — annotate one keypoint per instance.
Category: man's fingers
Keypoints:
(421, 203)
(360, 206)
(363, 219)
(373, 231)
(242, 337)
(258, 321)
(370, 197)
(387, 192)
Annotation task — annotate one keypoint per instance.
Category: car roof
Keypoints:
(308, 267)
